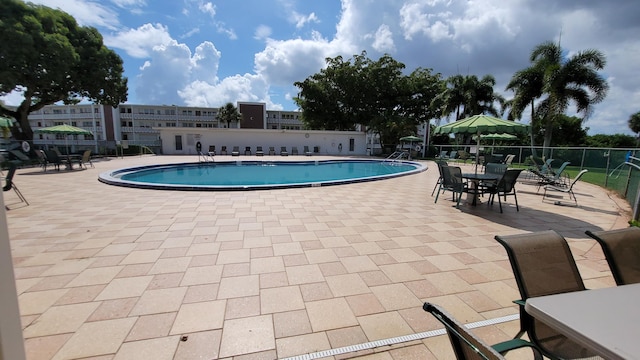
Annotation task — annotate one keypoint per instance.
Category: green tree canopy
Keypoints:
(50, 58)
(557, 81)
(634, 125)
(228, 114)
(468, 95)
(375, 94)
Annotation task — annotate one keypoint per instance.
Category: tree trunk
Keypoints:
(548, 134)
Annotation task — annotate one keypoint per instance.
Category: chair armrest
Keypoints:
(509, 345)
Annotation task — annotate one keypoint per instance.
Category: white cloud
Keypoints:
(208, 8)
(86, 13)
(383, 39)
(300, 20)
(262, 32)
(129, 3)
(139, 42)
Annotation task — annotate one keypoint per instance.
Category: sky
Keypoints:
(208, 53)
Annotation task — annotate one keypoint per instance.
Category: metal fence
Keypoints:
(613, 169)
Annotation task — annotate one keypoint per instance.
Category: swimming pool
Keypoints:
(254, 175)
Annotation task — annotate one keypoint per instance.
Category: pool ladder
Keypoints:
(202, 157)
(397, 155)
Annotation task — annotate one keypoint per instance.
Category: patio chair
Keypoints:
(509, 159)
(306, 151)
(466, 346)
(223, 150)
(247, 150)
(9, 184)
(259, 151)
(235, 151)
(212, 150)
(43, 159)
(53, 158)
(452, 181)
(272, 150)
(19, 155)
(552, 177)
(566, 190)
(441, 164)
(505, 187)
(621, 248)
(86, 159)
(294, 150)
(494, 168)
(444, 154)
(283, 151)
(453, 154)
(463, 156)
(542, 264)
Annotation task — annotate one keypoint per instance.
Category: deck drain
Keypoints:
(397, 340)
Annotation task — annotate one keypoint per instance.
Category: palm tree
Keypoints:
(563, 81)
(229, 113)
(468, 96)
(634, 125)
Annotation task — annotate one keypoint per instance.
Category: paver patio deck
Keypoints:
(106, 272)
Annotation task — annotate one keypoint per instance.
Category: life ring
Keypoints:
(418, 148)
(26, 147)
(198, 147)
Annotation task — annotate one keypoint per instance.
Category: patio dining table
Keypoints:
(475, 179)
(606, 321)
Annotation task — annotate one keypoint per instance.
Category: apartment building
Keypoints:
(141, 124)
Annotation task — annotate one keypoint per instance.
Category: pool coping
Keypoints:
(113, 177)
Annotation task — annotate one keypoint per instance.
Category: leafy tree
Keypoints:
(375, 94)
(468, 96)
(611, 141)
(569, 126)
(47, 56)
(558, 81)
(229, 113)
(634, 125)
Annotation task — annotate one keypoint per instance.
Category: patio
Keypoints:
(107, 272)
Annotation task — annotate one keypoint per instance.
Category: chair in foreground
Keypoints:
(441, 164)
(506, 186)
(466, 345)
(542, 264)
(621, 248)
(9, 184)
(566, 190)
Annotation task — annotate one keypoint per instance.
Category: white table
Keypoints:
(606, 321)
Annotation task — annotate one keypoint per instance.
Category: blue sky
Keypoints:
(207, 53)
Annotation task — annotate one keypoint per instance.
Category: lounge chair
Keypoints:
(444, 154)
(306, 151)
(53, 158)
(566, 190)
(235, 151)
(283, 151)
(272, 150)
(212, 150)
(453, 154)
(223, 150)
(621, 248)
(9, 184)
(505, 187)
(43, 159)
(542, 264)
(247, 150)
(294, 150)
(467, 346)
(553, 177)
(20, 156)
(86, 159)
(509, 159)
(259, 151)
(463, 156)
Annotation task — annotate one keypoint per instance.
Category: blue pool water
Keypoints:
(250, 175)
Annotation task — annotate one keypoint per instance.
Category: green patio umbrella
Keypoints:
(6, 122)
(65, 130)
(410, 139)
(482, 124)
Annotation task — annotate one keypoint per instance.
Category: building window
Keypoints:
(178, 142)
(352, 144)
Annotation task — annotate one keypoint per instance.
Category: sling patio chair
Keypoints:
(247, 150)
(212, 150)
(565, 190)
(86, 159)
(272, 150)
(506, 186)
(466, 346)
(452, 181)
(542, 264)
(235, 151)
(10, 184)
(553, 177)
(621, 248)
(223, 150)
(283, 151)
(441, 164)
(294, 150)
(306, 151)
(259, 151)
